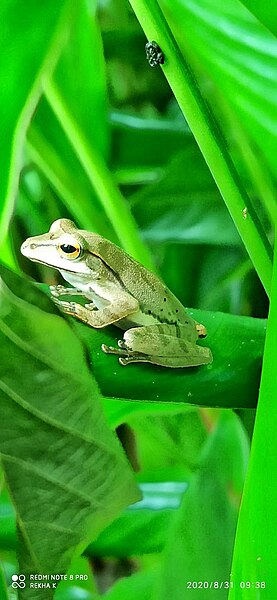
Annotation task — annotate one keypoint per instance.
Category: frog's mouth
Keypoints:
(46, 264)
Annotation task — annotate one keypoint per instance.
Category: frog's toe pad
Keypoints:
(90, 306)
(106, 348)
(123, 361)
(53, 290)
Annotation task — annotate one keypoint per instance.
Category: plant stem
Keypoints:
(209, 138)
(113, 202)
(256, 541)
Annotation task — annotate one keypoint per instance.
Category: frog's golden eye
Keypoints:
(69, 251)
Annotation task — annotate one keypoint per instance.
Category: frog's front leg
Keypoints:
(105, 316)
(165, 345)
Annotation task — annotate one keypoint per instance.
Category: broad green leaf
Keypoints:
(185, 205)
(266, 12)
(256, 543)
(7, 522)
(80, 78)
(196, 276)
(200, 542)
(179, 72)
(138, 587)
(129, 534)
(3, 587)
(75, 592)
(80, 75)
(79, 584)
(232, 380)
(140, 142)
(118, 411)
(31, 39)
(241, 60)
(105, 205)
(51, 152)
(163, 440)
(65, 471)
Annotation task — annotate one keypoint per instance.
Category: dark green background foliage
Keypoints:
(177, 165)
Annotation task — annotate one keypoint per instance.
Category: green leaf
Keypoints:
(80, 75)
(117, 411)
(79, 584)
(266, 12)
(129, 534)
(85, 97)
(241, 61)
(210, 137)
(138, 587)
(3, 587)
(199, 545)
(232, 380)
(64, 468)
(75, 592)
(31, 40)
(256, 543)
(7, 522)
(163, 440)
(184, 205)
(141, 142)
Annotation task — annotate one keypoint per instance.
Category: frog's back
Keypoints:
(154, 297)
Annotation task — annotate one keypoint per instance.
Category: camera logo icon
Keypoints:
(18, 581)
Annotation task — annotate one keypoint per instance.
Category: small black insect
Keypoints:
(154, 54)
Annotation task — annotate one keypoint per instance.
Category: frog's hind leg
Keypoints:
(164, 345)
(159, 340)
(199, 356)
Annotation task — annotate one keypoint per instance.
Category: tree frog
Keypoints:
(122, 292)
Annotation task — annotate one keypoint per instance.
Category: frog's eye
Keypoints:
(69, 251)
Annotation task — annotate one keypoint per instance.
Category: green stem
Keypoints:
(256, 541)
(209, 138)
(100, 178)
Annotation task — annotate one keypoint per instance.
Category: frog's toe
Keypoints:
(53, 290)
(122, 344)
(133, 358)
(107, 349)
(201, 330)
(90, 306)
(112, 350)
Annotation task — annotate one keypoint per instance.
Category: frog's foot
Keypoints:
(66, 307)
(129, 355)
(122, 350)
(74, 309)
(201, 330)
(149, 344)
